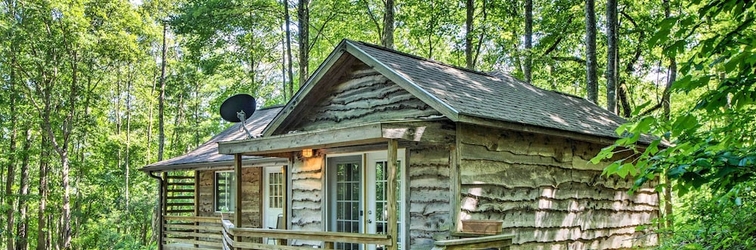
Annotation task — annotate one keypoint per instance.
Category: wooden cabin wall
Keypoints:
(251, 193)
(362, 96)
(307, 200)
(429, 206)
(547, 192)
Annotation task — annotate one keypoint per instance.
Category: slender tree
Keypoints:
(527, 69)
(11, 173)
(590, 47)
(161, 100)
(288, 57)
(666, 101)
(611, 55)
(303, 15)
(388, 25)
(22, 229)
(470, 6)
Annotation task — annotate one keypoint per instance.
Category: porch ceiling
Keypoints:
(418, 131)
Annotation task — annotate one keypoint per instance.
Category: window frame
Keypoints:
(232, 205)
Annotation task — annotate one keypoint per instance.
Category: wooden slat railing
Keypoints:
(190, 232)
(231, 235)
(502, 241)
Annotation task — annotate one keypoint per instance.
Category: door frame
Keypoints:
(403, 156)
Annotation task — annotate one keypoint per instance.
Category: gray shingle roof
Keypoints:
(207, 153)
(500, 97)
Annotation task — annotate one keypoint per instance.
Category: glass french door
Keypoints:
(358, 206)
(346, 215)
(377, 214)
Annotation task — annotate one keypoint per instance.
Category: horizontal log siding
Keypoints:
(251, 193)
(547, 193)
(428, 197)
(361, 96)
(307, 200)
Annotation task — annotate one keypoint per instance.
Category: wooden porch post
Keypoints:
(238, 194)
(391, 193)
(285, 218)
(163, 208)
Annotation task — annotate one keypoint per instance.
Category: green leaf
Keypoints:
(611, 169)
(677, 172)
(605, 153)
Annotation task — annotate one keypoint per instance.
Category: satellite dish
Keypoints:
(238, 108)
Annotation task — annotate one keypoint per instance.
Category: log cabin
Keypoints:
(385, 150)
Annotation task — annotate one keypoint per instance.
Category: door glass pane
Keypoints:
(275, 190)
(347, 199)
(381, 205)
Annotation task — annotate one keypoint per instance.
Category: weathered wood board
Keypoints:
(307, 200)
(548, 194)
(360, 96)
(251, 193)
(429, 206)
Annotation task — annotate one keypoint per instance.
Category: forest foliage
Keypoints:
(93, 90)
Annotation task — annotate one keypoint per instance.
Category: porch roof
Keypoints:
(414, 131)
(207, 156)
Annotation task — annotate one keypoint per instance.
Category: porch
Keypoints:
(195, 232)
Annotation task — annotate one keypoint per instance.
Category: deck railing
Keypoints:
(192, 232)
(501, 242)
(328, 239)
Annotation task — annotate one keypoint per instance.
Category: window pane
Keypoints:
(225, 187)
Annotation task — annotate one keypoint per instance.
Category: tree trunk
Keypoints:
(590, 44)
(528, 64)
(22, 231)
(128, 136)
(11, 173)
(666, 100)
(303, 13)
(470, 6)
(290, 68)
(161, 101)
(388, 25)
(41, 213)
(611, 56)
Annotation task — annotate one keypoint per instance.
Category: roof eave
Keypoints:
(263, 161)
(603, 140)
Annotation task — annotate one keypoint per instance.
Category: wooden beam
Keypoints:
(163, 208)
(440, 131)
(454, 182)
(484, 242)
(391, 193)
(196, 201)
(363, 134)
(285, 209)
(537, 130)
(238, 192)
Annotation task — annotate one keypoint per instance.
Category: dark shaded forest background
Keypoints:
(92, 90)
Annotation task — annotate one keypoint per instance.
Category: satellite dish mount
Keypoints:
(239, 108)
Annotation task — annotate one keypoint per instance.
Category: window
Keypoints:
(275, 190)
(225, 191)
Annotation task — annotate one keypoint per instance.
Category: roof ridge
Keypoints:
(421, 58)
